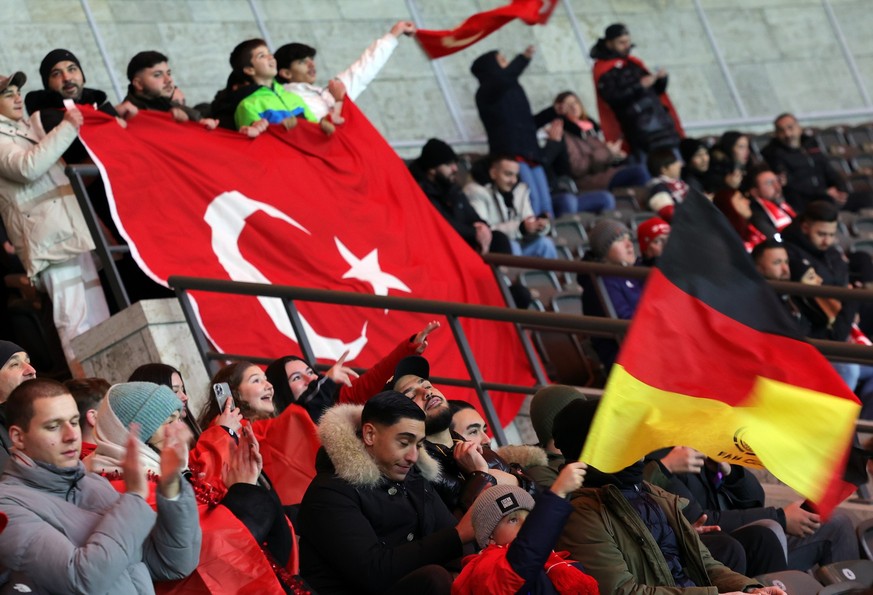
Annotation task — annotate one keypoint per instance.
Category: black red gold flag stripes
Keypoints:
(712, 361)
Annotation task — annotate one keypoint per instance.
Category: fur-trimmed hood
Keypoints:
(338, 431)
(523, 455)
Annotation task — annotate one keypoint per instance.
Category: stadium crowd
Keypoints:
(295, 481)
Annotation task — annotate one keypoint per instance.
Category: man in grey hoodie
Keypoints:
(70, 531)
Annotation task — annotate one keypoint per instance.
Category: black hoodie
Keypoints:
(504, 108)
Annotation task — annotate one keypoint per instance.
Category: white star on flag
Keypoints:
(367, 269)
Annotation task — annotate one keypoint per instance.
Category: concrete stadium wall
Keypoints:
(813, 57)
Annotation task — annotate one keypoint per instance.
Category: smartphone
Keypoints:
(222, 393)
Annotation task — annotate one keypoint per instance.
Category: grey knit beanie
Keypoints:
(492, 505)
(604, 234)
(145, 403)
(546, 404)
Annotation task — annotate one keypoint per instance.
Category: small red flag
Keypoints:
(437, 44)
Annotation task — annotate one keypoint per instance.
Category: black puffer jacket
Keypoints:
(457, 489)
(645, 122)
(504, 108)
(359, 531)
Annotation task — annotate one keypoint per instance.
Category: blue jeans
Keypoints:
(593, 201)
(630, 175)
(540, 246)
(540, 197)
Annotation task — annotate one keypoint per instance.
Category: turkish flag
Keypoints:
(437, 44)
(299, 208)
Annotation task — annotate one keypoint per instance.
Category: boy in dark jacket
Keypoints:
(519, 556)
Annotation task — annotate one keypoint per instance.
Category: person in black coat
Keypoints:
(371, 521)
(436, 172)
(810, 175)
(508, 120)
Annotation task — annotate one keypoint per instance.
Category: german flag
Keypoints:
(713, 361)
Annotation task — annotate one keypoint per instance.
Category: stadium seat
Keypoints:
(862, 227)
(863, 245)
(793, 582)
(846, 588)
(572, 234)
(865, 537)
(861, 137)
(832, 140)
(638, 218)
(840, 163)
(545, 283)
(848, 570)
(567, 302)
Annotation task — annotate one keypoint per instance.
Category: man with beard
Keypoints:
(810, 176)
(467, 467)
(629, 534)
(152, 88)
(436, 171)
(62, 79)
(633, 102)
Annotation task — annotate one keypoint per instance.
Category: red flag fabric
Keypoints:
(299, 208)
(437, 44)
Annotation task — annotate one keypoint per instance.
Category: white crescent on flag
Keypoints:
(226, 216)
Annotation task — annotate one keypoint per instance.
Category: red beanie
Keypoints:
(650, 229)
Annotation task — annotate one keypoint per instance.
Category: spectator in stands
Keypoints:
(810, 176)
(629, 534)
(151, 87)
(88, 393)
(811, 243)
(370, 521)
(297, 71)
(735, 146)
(696, 163)
(43, 217)
(71, 531)
(594, 164)
(223, 106)
(817, 318)
(63, 78)
(265, 98)
(508, 119)
(245, 523)
(724, 173)
(733, 498)
(504, 204)
(666, 188)
(518, 541)
(771, 213)
(544, 407)
(165, 375)
(652, 236)
(288, 441)
(436, 171)
(468, 423)
(16, 369)
(295, 382)
(610, 243)
(633, 103)
(467, 468)
(735, 206)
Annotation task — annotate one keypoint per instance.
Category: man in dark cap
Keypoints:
(628, 533)
(63, 78)
(16, 369)
(633, 102)
(436, 171)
